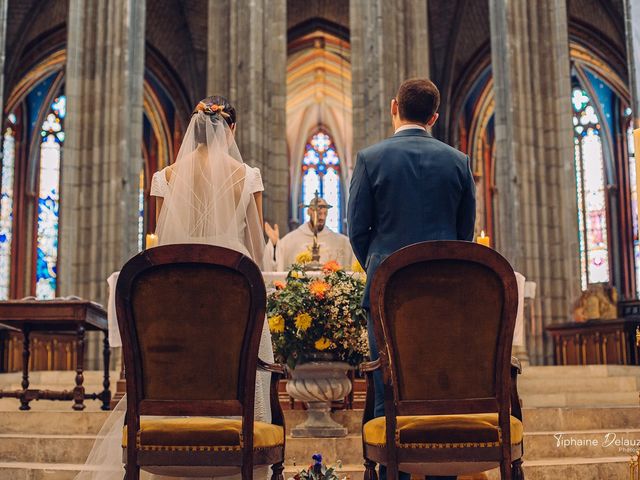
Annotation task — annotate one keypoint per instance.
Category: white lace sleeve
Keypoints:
(255, 180)
(159, 185)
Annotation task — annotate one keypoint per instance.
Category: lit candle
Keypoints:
(152, 240)
(483, 239)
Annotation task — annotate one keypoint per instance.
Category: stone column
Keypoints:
(102, 155)
(3, 45)
(247, 61)
(389, 44)
(536, 202)
(632, 30)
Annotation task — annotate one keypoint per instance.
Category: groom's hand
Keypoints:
(272, 232)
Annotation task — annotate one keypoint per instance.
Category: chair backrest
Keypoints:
(444, 314)
(190, 317)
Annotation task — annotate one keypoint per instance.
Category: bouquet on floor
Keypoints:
(318, 471)
(319, 316)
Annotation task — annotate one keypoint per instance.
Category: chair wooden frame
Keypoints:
(506, 401)
(137, 405)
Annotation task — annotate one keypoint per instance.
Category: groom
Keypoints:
(406, 189)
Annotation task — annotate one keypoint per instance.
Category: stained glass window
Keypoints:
(52, 139)
(634, 202)
(321, 172)
(6, 205)
(591, 193)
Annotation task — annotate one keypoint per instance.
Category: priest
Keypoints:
(281, 253)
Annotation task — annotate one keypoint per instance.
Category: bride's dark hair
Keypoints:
(216, 107)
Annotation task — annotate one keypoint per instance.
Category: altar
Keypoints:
(270, 278)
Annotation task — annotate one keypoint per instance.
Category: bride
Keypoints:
(207, 196)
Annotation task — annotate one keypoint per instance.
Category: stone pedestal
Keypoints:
(318, 384)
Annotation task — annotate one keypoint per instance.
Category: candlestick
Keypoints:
(151, 240)
(483, 239)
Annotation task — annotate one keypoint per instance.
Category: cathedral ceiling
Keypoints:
(299, 11)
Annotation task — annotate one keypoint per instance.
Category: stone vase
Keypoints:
(318, 383)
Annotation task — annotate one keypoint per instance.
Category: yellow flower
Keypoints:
(322, 344)
(276, 324)
(303, 321)
(296, 274)
(318, 288)
(303, 257)
(356, 267)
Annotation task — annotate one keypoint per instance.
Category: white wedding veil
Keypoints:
(209, 198)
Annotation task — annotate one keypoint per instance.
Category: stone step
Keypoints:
(69, 422)
(580, 418)
(575, 468)
(581, 399)
(578, 371)
(348, 450)
(586, 444)
(50, 423)
(45, 448)
(579, 384)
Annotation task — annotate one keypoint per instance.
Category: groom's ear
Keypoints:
(394, 107)
(433, 120)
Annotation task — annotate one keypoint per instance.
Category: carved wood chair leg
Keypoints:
(517, 473)
(106, 357)
(24, 401)
(132, 472)
(370, 470)
(505, 471)
(277, 469)
(78, 391)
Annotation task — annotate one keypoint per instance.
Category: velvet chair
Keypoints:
(190, 317)
(443, 315)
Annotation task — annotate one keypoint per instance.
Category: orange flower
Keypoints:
(331, 266)
(279, 285)
(319, 288)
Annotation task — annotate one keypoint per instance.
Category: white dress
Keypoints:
(252, 184)
(105, 459)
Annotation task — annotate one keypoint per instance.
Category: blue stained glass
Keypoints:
(48, 201)
(634, 201)
(311, 157)
(6, 209)
(331, 158)
(321, 172)
(332, 196)
(321, 142)
(591, 192)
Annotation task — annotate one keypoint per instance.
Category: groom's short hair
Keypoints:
(418, 99)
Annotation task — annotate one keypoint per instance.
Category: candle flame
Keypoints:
(482, 234)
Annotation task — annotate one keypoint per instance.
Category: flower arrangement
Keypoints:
(311, 315)
(318, 471)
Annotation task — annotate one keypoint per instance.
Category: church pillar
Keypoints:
(246, 62)
(632, 30)
(389, 44)
(3, 45)
(536, 202)
(102, 154)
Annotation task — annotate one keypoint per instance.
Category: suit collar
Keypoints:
(412, 132)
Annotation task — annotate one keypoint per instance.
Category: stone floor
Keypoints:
(582, 404)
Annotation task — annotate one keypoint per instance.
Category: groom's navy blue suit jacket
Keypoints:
(408, 188)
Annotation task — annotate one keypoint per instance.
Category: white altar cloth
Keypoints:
(269, 278)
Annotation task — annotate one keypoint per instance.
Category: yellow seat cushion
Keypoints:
(443, 431)
(202, 434)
